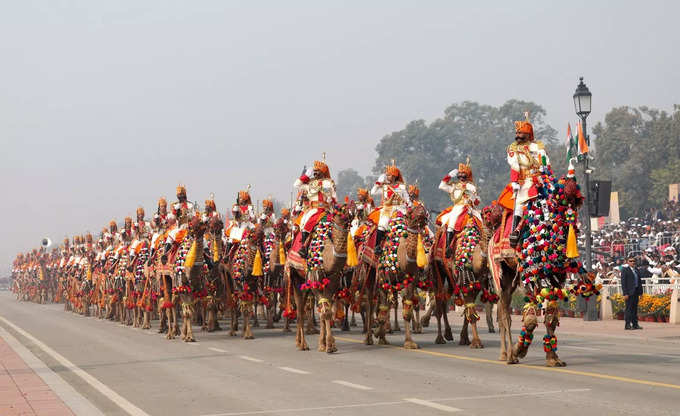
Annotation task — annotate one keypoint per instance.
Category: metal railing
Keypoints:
(650, 289)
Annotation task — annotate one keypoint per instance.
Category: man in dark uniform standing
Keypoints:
(631, 286)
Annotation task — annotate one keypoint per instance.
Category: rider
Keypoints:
(183, 210)
(319, 188)
(268, 217)
(244, 218)
(395, 200)
(527, 159)
(459, 185)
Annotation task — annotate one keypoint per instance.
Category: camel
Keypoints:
(505, 261)
(214, 284)
(376, 281)
(463, 275)
(240, 281)
(322, 281)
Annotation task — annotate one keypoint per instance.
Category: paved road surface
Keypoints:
(123, 371)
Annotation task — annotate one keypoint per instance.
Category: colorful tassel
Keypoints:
(191, 257)
(572, 248)
(257, 264)
(282, 253)
(421, 258)
(352, 259)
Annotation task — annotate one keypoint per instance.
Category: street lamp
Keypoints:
(582, 98)
(582, 105)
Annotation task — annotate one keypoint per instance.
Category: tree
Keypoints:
(638, 149)
(481, 132)
(347, 184)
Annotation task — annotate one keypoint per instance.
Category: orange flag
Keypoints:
(582, 145)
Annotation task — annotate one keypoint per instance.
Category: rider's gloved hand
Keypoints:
(515, 186)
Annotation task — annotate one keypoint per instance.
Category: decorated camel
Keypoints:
(545, 254)
(392, 272)
(240, 275)
(318, 276)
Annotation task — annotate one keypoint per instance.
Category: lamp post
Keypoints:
(582, 105)
(582, 101)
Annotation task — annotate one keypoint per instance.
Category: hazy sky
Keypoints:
(106, 105)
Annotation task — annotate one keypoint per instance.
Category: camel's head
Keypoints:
(492, 215)
(256, 235)
(342, 214)
(416, 217)
(197, 227)
(215, 225)
(572, 192)
(280, 229)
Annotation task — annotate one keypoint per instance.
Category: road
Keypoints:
(121, 370)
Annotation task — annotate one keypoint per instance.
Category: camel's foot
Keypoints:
(439, 339)
(464, 341)
(519, 352)
(448, 335)
(555, 362)
(303, 346)
(512, 360)
(503, 356)
(425, 321)
(232, 333)
(382, 340)
(331, 349)
(146, 326)
(410, 345)
(417, 328)
(170, 336)
(476, 343)
(189, 339)
(256, 324)
(368, 340)
(492, 331)
(286, 329)
(353, 322)
(345, 325)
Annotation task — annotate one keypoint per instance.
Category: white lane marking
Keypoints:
(255, 360)
(433, 405)
(130, 408)
(352, 385)
(74, 400)
(502, 396)
(581, 348)
(193, 343)
(294, 370)
(217, 349)
(306, 409)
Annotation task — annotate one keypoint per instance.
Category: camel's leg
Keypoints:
(147, 319)
(438, 312)
(163, 324)
(322, 332)
(408, 317)
(256, 322)
(300, 302)
(488, 311)
(464, 337)
(471, 319)
(233, 327)
(448, 335)
(286, 324)
(169, 312)
(247, 311)
(367, 316)
(383, 319)
(187, 317)
(415, 322)
(269, 310)
(529, 323)
(395, 304)
(353, 321)
(330, 340)
(425, 320)
(552, 321)
(345, 319)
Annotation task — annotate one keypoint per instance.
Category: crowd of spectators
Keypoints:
(653, 238)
